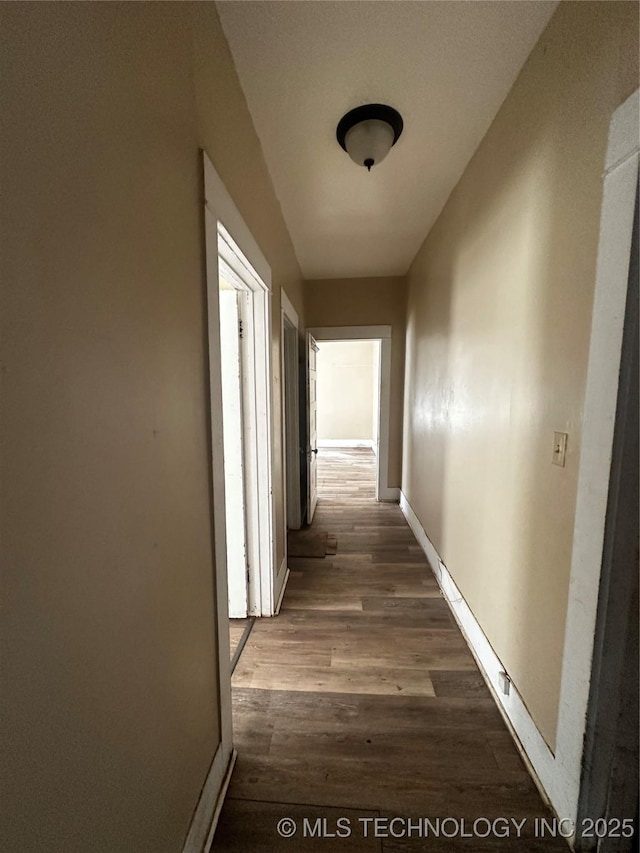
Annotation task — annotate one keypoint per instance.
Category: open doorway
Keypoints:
(233, 256)
(244, 345)
(348, 379)
(375, 379)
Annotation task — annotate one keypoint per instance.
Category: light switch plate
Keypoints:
(559, 448)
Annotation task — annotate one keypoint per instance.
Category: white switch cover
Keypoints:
(559, 448)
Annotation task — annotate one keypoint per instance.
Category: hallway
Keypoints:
(362, 700)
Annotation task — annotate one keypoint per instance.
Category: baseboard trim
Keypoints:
(282, 590)
(208, 810)
(534, 750)
(220, 801)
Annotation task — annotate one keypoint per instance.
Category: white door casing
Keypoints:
(255, 354)
(384, 492)
(203, 822)
(232, 417)
(289, 326)
(376, 397)
(312, 429)
(221, 216)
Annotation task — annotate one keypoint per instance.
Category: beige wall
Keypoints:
(346, 373)
(499, 311)
(367, 302)
(110, 696)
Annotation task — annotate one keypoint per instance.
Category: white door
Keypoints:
(312, 445)
(232, 419)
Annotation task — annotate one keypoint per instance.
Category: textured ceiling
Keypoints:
(446, 66)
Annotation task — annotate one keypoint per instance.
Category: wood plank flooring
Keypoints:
(237, 627)
(362, 700)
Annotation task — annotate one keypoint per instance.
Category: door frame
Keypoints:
(237, 246)
(290, 327)
(560, 772)
(609, 785)
(600, 406)
(256, 426)
(311, 452)
(220, 210)
(233, 305)
(384, 492)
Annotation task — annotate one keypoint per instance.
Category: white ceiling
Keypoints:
(446, 65)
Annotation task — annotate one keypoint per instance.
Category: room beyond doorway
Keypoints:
(348, 382)
(379, 338)
(244, 329)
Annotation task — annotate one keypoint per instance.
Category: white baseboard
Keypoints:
(282, 589)
(220, 801)
(347, 442)
(279, 586)
(207, 813)
(532, 746)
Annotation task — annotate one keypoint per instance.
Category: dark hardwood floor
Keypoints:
(361, 701)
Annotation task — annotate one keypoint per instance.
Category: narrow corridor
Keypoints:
(361, 700)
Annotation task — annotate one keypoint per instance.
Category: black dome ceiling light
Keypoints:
(368, 133)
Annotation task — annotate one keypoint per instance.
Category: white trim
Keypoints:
(207, 813)
(288, 309)
(219, 208)
(279, 585)
(623, 133)
(264, 416)
(346, 442)
(383, 491)
(528, 739)
(252, 520)
(235, 263)
(375, 419)
(217, 474)
(559, 774)
(234, 450)
(239, 250)
(383, 334)
(224, 209)
(289, 328)
(614, 250)
(350, 333)
(214, 784)
(284, 572)
(311, 447)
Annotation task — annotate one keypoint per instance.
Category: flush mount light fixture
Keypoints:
(368, 133)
